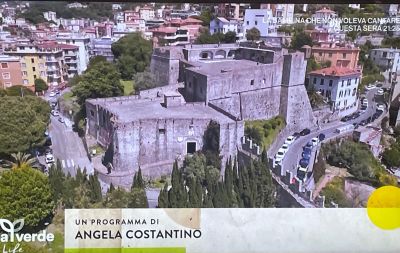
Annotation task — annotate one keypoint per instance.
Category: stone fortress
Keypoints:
(225, 83)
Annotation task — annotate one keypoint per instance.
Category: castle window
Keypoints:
(92, 113)
(330, 83)
(322, 82)
(252, 82)
(161, 131)
(263, 81)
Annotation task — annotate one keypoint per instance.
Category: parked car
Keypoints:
(321, 137)
(296, 135)
(290, 139)
(363, 123)
(61, 119)
(52, 94)
(345, 119)
(285, 147)
(370, 86)
(278, 161)
(380, 107)
(301, 173)
(55, 113)
(306, 155)
(49, 158)
(281, 153)
(305, 132)
(380, 91)
(315, 141)
(304, 162)
(58, 92)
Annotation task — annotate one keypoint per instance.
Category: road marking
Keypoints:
(63, 163)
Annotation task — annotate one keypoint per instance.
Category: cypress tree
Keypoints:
(163, 197)
(111, 189)
(94, 186)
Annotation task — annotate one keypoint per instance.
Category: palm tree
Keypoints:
(21, 160)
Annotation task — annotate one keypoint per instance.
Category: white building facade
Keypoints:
(84, 46)
(386, 58)
(262, 19)
(338, 86)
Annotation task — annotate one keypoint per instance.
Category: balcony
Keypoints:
(51, 59)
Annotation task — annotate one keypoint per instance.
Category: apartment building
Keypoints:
(222, 25)
(10, 71)
(83, 43)
(339, 56)
(262, 19)
(71, 59)
(102, 47)
(33, 62)
(56, 69)
(170, 36)
(386, 58)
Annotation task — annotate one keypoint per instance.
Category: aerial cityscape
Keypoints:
(136, 105)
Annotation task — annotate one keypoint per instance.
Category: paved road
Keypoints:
(68, 147)
(290, 162)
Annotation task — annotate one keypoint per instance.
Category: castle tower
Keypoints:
(295, 106)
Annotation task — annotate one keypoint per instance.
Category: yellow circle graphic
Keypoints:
(383, 207)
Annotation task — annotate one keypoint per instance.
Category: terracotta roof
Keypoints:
(335, 71)
(325, 10)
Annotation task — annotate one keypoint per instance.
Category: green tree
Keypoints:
(56, 181)
(300, 39)
(132, 54)
(21, 160)
(144, 81)
(229, 37)
(138, 198)
(25, 194)
(391, 157)
(253, 34)
(117, 198)
(94, 186)
(40, 85)
(24, 122)
(19, 91)
(101, 80)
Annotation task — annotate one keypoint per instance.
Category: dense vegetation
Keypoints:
(23, 123)
(359, 161)
(263, 132)
(83, 191)
(100, 80)
(25, 193)
(132, 55)
(205, 37)
(197, 185)
(97, 11)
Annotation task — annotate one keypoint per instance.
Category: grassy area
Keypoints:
(160, 182)
(98, 148)
(128, 87)
(263, 132)
(67, 96)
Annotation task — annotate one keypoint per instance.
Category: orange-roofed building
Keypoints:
(339, 56)
(339, 86)
(170, 36)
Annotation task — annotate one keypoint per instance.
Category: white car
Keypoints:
(365, 103)
(380, 107)
(370, 86)
(49, 158)
(281, 154)
(52, 94)
(380, 91)
(55, 113)
(315, 141)
(290, 139)
(285, 147)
